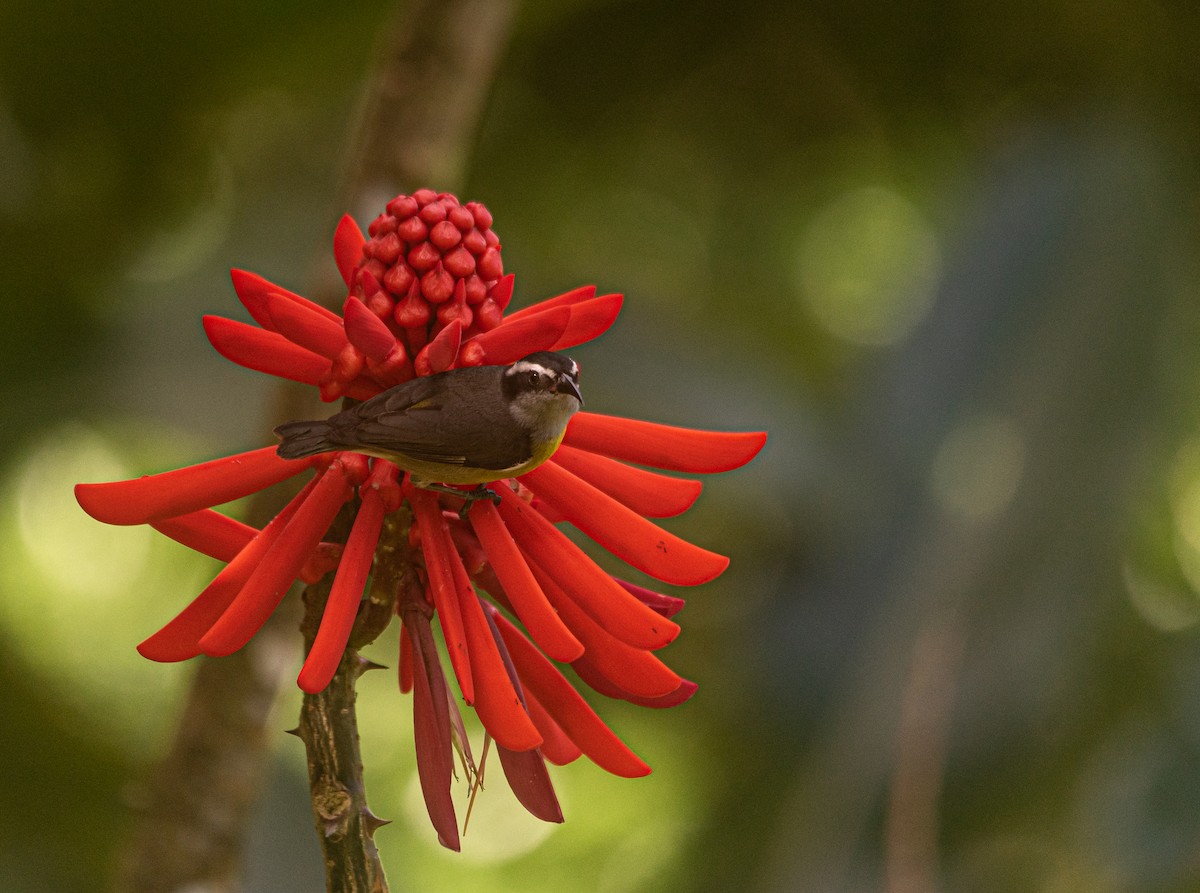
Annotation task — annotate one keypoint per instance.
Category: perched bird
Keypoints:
(466, 426)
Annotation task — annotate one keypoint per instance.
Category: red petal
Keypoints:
(300, 321)
(404, 673)
(502, 291)
(210, 533)
(595, 679)
(439, 354)
(556, 746)
(626, 534)
(530, 783)
(667, 605)
(186, 490)
(252, 291)
(264, 351)
(525, 770)
(523, 592)
(444, 584)
(589, 319)
(634, 670)
(686, 689)
(595, 591)
(566, 299)
(180, 639)
(646, 492)
(512, 340)
(367, 331)
(348, 243)
(269, 582)
(431, 732)
(663, 446)
(273, 354)
(341, 607)
(568, 707)
(499, 708)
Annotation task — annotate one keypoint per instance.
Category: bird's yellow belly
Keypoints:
(445, 473)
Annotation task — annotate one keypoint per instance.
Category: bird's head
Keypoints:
(542, 391)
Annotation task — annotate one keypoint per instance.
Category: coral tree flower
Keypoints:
(513, 596)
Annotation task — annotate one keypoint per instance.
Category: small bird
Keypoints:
(466, 426)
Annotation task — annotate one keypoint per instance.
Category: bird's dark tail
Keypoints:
(300, 439)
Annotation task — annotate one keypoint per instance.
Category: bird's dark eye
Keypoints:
(534, 378)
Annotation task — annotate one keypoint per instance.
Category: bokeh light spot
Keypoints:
(869, 266)
(66, 546)
(1165, 607)
(978, 467)
(77, 596)
(1185, 511)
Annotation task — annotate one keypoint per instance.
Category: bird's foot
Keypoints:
(469, 497)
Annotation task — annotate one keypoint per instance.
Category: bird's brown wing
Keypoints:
(426, 420)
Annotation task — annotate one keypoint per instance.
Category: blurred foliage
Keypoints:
(994, 453)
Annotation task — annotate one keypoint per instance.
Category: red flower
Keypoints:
(426, 294)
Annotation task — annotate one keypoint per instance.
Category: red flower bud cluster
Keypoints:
(430, 261)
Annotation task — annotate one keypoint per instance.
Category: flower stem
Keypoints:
(329, 726)
(345, 825)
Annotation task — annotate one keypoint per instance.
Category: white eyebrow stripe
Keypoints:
(526, 366)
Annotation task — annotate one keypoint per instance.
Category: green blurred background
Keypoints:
(945, 253)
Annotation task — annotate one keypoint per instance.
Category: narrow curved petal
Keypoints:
(514, 339)
(520, 586)
(252, 291)
(530, 783)
(273, 354)
(444, 584)
(626, 534)
(404, 672)
(589, 319)
(581, 578)
(663, 446)
(595, 678)
(367, 331)
(686, 689)
(496, 701)
(525, 770)
(567, 706)
(502, 291)
(431, 732)
(180, 639)
(186, 490)
(269, 582)
(439, 354)
(556, 747)
(348, 241)
(645, 492)
(667, 605)
(302, 323)
(635, 670)
(341, 607)
(566, 299)
(209, 533)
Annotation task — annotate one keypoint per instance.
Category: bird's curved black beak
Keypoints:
(566, 385)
